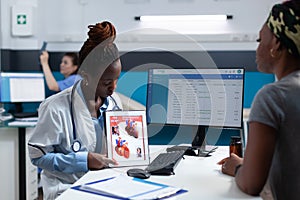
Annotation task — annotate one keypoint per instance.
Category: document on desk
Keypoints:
(124, 187)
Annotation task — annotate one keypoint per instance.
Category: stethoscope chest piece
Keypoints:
(76, 146)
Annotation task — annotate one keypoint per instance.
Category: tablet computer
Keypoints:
(127, 137)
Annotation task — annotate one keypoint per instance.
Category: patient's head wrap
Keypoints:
(285, 25)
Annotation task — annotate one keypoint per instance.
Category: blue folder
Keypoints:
(115, 196)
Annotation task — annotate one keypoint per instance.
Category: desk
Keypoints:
(200, 176)
(18, 175)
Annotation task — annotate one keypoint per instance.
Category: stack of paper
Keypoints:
(124, 187)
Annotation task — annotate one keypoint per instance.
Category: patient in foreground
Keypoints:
(272, 151)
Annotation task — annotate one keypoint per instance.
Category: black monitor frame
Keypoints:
(198, 142)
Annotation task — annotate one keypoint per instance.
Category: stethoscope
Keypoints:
(76, 145)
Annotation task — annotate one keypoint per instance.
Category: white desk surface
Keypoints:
(201, 176)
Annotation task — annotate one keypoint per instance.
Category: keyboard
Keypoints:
(194, 151)
(188, 150)
(165, 163)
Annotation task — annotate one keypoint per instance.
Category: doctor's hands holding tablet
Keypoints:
(98, 161)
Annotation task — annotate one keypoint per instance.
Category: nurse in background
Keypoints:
(68, 68)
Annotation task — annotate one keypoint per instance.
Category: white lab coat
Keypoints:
(54, 130)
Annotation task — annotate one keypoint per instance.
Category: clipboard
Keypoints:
(124, 187)
(127, 137)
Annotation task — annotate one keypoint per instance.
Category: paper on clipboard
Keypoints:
(124, 187)
(127, 137)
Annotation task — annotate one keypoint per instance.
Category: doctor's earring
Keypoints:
(86, 83)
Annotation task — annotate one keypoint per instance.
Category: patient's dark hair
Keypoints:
(102, 34)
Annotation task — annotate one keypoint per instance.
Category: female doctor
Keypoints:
(69, 138)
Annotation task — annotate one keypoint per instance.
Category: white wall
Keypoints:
(63, 23)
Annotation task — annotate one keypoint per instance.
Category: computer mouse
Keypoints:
(138, 173)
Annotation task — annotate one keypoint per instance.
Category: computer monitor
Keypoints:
(197, 97)
(21, 87)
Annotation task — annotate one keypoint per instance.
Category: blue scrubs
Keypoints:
(68, 82)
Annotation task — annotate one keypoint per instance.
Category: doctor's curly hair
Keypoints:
(100, 35)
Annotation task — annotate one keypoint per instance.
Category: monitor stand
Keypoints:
(198, 146)
(20, 114)
(199, 143)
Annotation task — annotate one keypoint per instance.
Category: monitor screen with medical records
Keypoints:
(22, 87)
(203, 97)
